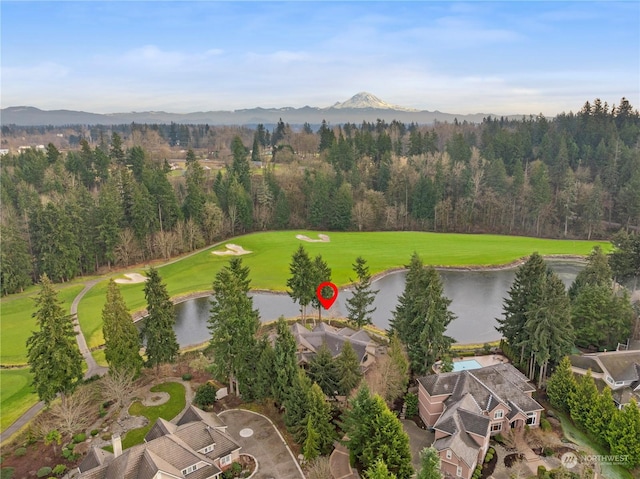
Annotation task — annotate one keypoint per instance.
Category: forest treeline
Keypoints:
(111, 198)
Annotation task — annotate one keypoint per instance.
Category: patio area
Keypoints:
(473, 362)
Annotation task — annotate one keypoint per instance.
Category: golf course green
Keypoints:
(269, 263)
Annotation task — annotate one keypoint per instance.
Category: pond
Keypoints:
(476, 300)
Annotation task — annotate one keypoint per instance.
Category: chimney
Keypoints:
(116, 442)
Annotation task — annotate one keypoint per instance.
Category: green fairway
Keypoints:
(18, 323)
(16, 395)
(271, 254)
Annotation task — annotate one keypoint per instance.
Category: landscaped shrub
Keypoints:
(94, 432)
(187, 377)
(21, 451)
(236, 468)
(498, 438)
(106, 436)
(205, 395)
(59, 469)
(547, 451)
(488, 457)
(43, 471)
(545, 425)
(411, 400)
(79, 437)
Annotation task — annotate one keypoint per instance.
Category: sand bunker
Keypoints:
(323, 239)
(131, 278)
(232, 250)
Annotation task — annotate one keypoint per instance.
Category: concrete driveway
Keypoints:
(259, 437)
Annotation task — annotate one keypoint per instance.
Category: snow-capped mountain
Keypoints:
(367, 100)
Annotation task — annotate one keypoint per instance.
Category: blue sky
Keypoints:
(459, 57)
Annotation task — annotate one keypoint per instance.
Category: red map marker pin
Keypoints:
(327, 302)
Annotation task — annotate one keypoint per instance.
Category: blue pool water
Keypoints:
(466, 364)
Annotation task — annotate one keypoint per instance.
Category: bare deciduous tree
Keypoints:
(118, 386)
(74, 414)
(319, 468)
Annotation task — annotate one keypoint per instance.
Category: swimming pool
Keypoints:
(466, 364)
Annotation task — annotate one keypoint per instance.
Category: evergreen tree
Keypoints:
(601, 415)
(310, 448)
(301, 283)
(15, 260)
(359, 304)
(597, 272)
(52, 352)
(422, 316)
(374, 432)
(320, 272)
(561, 385)
(158, 334)
(388, 442)
(264, 370)
(233, 324)
(379, 470)
(285, 363)
(583, 399)
(600, 317)
(319, 413)
(348, 369)
(624, 434)
(340, 219)
(429, 464)
(240, 166)
(323, 371)
(195, 199)
(121, 337)
(297, 405)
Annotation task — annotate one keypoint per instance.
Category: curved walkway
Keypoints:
(266, 444)
(92, 367)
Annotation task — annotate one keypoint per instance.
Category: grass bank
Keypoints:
(168, 411)
(18, 323)
(16, 395)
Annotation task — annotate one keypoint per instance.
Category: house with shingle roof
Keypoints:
(617, 370)
(196, 446)
(309, 341)
(465, 408)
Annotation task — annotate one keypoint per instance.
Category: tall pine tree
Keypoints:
(359, 304)
(233, 324)
(158, 334)
(52, 352)
(301, 283)
(121, 337)
(422, 316)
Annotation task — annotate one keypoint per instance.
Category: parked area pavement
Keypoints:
(418, 440)
(259, 437)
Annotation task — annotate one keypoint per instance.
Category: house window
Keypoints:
(207, 449)
(189, 469)
(496, 427)
(531, 418)
(459, 471)
(226, 460)
(499, 414)
(448, 454)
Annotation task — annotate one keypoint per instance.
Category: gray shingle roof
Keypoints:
(585, 362)
(621, 364)
(170, 448)
(310, 341)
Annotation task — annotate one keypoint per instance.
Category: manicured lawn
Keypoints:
(167, 411)
(16, 395)
(577, 436)
(18, 323)
(271, 254)
(98, 355)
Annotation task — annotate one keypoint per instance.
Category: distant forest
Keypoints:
(97, 197)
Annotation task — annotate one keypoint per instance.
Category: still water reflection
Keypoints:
(476, 296)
